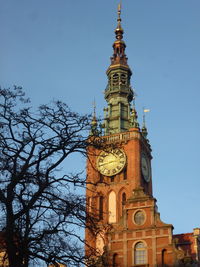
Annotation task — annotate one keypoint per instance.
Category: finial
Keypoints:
(119, 31)
(119, 13)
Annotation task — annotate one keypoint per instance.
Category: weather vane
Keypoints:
(145, 110)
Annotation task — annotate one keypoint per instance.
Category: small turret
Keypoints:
(94, 125)
(133, 118)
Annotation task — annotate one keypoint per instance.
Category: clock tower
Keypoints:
(128, 230)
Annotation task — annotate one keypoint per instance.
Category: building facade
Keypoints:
(128, 229)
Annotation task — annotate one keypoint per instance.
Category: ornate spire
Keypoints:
(118, 93)
(119, 45)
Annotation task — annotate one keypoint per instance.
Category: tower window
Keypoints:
(100, 207)
(115, 260)
(100, 243)
(112, 207)
(90, 204)
(123, 78)
(163, 257)
(140, 253)
(123, 198)
(115, 79)
(123, 201)
(125, 174)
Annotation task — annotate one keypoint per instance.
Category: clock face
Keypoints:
(145, 166)
(111, 162)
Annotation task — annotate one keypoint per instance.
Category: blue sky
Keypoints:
(60, 49)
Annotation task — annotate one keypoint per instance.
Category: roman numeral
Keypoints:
(114, 171)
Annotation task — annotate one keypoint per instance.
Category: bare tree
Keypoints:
(39, 213)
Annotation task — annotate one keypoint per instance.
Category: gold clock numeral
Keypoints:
(118, 152)
(114, 171)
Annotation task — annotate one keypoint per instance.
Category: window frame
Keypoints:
(140, 255)
(134, 214)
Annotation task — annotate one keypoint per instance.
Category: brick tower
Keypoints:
(129, 231)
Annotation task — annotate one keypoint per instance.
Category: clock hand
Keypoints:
(105, 163)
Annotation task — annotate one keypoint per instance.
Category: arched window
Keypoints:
(115, 260)
(123, 198)
(100, 207)
(115, 79)
(90, 204)
(112, 216)
(123, 201)
(140, 253)
(163, 257)
(99, 244)
(123, 78)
